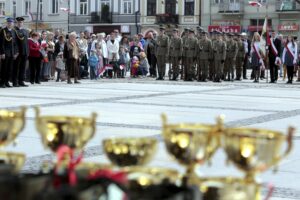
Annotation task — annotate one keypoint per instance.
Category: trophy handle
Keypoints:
(94, 117)
(23, 113)
(291, 131)
(37, 112)
(164, 119)
(220, 122)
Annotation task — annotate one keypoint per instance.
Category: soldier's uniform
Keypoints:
(230, 58)
(161, 54)
(175, 53)
(219, 48)
(204, 52)
(183, 58)
(240, 58)
(20, 63)
(190, 54)
(8, 51)
(211, 60)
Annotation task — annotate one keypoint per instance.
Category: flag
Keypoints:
(30, 19)
(266, 31)
(255, 3)
(65, 9)
(282, 6)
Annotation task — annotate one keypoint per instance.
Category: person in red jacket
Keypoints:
(34, 58)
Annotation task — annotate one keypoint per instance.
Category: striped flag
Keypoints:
(65, 9)
(254, 3)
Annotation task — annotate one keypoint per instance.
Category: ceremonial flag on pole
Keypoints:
(65, 9)
(30, 19)
(266, 31)
(254, 4)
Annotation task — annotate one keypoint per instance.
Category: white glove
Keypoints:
(295, 62)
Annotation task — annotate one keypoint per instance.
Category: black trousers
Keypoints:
(6, 69)
(19, 69)
(273, 69)
(153, 65)
(35, 69)
(290, 72)
(245, 65)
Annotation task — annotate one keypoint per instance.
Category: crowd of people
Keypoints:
(193, 55)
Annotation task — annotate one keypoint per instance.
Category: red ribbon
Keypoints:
(118, 177)
(61, 154)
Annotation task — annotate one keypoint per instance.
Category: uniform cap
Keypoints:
(191, 30)
(175, 30)
(20, 19)
(243, 34)
(162, 28)
(9, 19)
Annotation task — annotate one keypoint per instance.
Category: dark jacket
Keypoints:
(8, 44)
(277, 44)
(22, 41)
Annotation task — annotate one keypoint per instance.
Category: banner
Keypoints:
(226, 29)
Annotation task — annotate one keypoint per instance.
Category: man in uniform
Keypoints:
(219, 48)
(204, 52)
(231, 54)
(183, 58)
(199, 32)
(211, 60)
(162, 53)
(190, 54)
(8, 51)
(20, 63)
(175, 52)
(240, 57)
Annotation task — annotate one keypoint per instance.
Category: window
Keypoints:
(104, 3)
(151, 7)
(127, 7)
(83, 6)
(2, 8)
(54, 7)
(189, 7)
(253, 22)
(40, 17)
(27, 6)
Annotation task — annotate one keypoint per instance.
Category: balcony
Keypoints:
(93, 18)
(167, 19)
(287, 6)
(231, 8)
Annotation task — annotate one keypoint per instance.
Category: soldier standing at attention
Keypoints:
(219, 49)
(231, 53)
(162, 53)
(204, 53)
(183, 58)
(8, 51)
(175, 53)
(20, 63)
(240, 57)
(211, 58)
(190, 53)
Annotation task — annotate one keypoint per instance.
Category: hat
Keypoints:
(191, 30)
(204, 32)
(243, 34)
(162, 28)
(230, 34)
(186, 29)
(9, 19)
(93, 35)
(20, 19)
(175, 30)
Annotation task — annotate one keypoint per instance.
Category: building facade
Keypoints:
(238, 15)
(105, 15)
(171, 13)
(38, 14)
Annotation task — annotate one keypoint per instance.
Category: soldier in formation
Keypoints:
(162, 53)
(175, 52)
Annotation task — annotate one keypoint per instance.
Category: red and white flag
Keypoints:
(255, 3)
(30, 19)
(65, 9)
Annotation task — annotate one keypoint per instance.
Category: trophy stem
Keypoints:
(250, 177)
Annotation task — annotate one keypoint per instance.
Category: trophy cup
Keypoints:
(256, 150)
(73, 132)
(11, 124)
(191, 144)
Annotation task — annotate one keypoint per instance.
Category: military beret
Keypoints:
(191, 30)
(162, 28)
(175, 30)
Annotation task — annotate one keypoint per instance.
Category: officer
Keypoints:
(8, 51)
(240, 57)
(183, 59)
(211, 59)
(162, 53)
(219, 48)
(175, 53)
(199, 32)
(20, 63)
(204, 53)
(190, 54)
(231, 53)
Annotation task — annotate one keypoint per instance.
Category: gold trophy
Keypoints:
(191, 144)
(256, 150)
(11, 124)
(74, 132)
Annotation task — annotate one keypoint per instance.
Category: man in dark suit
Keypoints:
(20, 63)
(8, 51)
(274, 55)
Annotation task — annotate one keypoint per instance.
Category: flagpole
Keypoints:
(267, 51)
(257, 19)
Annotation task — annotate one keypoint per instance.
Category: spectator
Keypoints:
(290, 57)
(51, 57)
(118, 37)
(125, 44)
(144, 65)
(142, 40)
(93, 63)
(60, 67)
(34, 58)
(122, 61)
(135, 50)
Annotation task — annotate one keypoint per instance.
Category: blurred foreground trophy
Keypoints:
(11, 124)
(192, 144)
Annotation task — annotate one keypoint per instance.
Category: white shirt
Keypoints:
(292, 49)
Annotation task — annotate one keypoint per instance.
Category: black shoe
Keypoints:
(8, 85)
(16, 85)
(37, 82)
(22, 84)
(69, 82)
(77, 82)
(2, 85)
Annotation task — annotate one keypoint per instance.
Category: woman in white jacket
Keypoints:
(100, 40)
(113, 49)
(289, 57)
